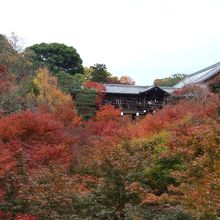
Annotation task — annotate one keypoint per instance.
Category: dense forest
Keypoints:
(65, 156)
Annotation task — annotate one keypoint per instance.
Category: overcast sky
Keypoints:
(145, 39)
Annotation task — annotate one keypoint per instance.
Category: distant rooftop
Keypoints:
(199, 76)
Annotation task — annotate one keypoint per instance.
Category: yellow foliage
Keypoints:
(49, 93)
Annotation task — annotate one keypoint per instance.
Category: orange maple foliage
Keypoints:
(197, 143)
(108, 124)
(169, 115)
(41, 136)
(126, 80)
(109, 153)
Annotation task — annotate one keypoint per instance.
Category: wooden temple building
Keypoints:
(136, 100)
(140, 100)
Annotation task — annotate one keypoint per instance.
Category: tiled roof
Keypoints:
(124, 89)
(168, 89)
(131, 89)
(199, 76)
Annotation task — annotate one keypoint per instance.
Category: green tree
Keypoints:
(99, 73)
(170, 81)
(57, 57)
(69, 83)
(85, 101)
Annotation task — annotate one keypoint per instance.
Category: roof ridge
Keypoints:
(166, 87)
(202, 70)
(123, 85)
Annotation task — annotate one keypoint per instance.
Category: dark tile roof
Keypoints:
(168, 89)
(124, 89)
(132, 89)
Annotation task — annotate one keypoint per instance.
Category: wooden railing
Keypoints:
(153, 105)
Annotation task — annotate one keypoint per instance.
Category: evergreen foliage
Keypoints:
(57, 57)
(85, 101)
